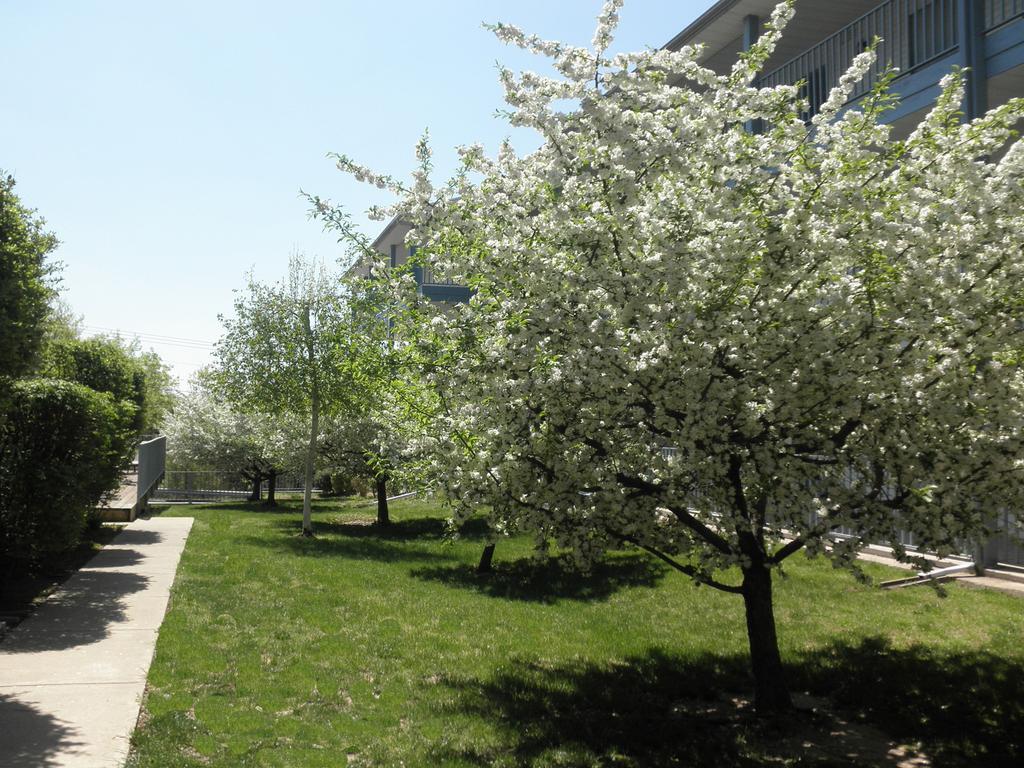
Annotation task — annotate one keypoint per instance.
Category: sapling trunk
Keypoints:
(484, 566)
(382, 500)
(307, 496)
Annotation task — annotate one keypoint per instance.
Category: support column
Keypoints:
(751, 31)
(971, 36)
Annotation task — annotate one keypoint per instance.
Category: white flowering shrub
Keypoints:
(721, 345)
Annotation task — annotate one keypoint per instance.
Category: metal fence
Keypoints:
(190, 486)
(1003, 550)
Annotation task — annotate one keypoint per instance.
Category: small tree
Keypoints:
(284, 352)
(722, 346)
(360, 446)
(100, 364)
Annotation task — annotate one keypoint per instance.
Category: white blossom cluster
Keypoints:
(822, 324)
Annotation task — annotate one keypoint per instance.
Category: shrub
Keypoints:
(362, 486)
(341, 484)
(102, 365)
(62, 448)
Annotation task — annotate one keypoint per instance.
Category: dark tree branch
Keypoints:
(694, 573)
(685, 518)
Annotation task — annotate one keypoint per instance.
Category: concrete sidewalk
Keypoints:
(73, 673)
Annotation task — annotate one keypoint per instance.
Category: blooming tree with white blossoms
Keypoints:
(205, 433)
(721, 346)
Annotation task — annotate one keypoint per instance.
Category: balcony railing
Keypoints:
(430, 277)
(425, 274)
(998, 12)
(913, 33)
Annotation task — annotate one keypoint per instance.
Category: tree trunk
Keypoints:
(257, 490)
(382, 500)
(771, 695)
(307, 496)
(271, 488)
(484, 566)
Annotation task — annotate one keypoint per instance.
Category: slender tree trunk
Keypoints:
(484, 566)
(271, 489)
(307, 496)
(382, 500)
(771, 695)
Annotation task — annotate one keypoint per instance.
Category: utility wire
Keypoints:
(154, 338)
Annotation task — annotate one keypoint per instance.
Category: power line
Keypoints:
(143, 333)
(183, 364)
(155, 338)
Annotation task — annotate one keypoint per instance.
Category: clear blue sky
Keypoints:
(166, 143)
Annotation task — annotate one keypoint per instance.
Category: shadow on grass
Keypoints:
(32, 738)
(659, 710)
(327, 542)
(283, 506)
(435, 528)
(552, 579)
(966, 708)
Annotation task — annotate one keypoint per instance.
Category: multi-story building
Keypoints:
(391, 244)
(924, 39)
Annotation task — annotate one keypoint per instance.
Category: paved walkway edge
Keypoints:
(72, 675)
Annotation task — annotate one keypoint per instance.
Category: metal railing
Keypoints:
(998, 12)
(912, 33)
(429, 276)
(152, 457)
(1006, 547)
(182, 485)
(426, 274)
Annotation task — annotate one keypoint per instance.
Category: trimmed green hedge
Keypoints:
(100, 364)
(63, 446)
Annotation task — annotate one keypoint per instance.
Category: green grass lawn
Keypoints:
(370, 647)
